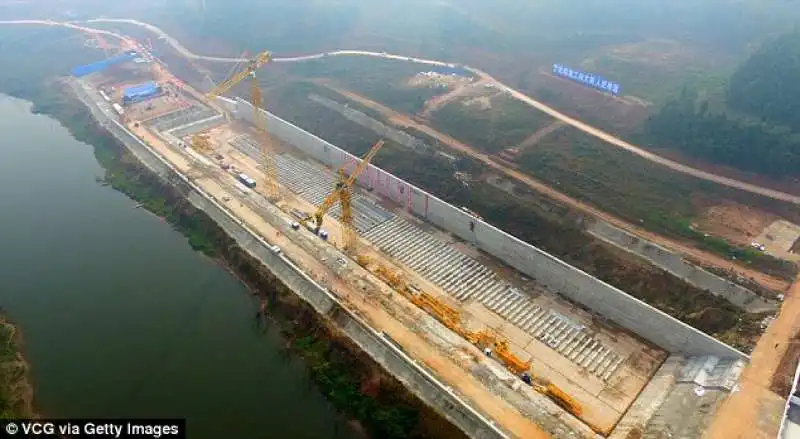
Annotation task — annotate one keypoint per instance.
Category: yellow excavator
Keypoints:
(343, 194)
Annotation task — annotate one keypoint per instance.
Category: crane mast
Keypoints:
(259, 119)
(343, 194)
(267, 159)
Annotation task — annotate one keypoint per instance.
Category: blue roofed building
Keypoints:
(140, 92)
(102, 65)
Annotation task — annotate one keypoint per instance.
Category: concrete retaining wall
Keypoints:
(362, 119)
(197, 126)
(674, 264)
(649, 400)
(425, 386)
(605, 300)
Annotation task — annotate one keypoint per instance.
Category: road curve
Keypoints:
(588, 129)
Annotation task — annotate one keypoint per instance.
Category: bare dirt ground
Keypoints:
(461, 90)
(621, 114)
(540, 134)
(656, 52)
(784, 376)
(733, 221)
(788, 184)
(603, 402)
(779, 238)
(755, 411)
(365, 306)
(689, 251)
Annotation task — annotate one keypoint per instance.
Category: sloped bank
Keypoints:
(16, 392)
(351, 363)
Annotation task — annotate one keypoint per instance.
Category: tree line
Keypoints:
(758, 128)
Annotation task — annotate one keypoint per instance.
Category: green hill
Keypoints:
(768, 83)
(754, 127)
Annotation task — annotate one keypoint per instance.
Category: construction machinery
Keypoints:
(259, 119)
(512, 362)
(559, 397)
(483, 339)
(343, 194)
(486, 339)
(201, 143)
(440, 310)
(363, 261)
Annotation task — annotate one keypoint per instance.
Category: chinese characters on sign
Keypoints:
(589, 79)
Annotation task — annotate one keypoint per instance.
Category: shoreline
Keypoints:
(17, 389)
(337, 366)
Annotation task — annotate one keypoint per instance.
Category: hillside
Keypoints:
(766, 85)
(753, 125)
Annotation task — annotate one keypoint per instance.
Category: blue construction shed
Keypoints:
(102, 65)
(448, 70)
(141, 92)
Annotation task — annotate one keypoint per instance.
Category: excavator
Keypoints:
(343, 194)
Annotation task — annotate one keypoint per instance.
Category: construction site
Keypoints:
(515, 342)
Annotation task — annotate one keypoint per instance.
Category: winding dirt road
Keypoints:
(588, 129)
(403, 120)
(690, 251)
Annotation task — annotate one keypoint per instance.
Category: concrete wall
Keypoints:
(674, 264)
(197, 126)
(362, 119)
(425, 386)
(605, 300)
(650, 399)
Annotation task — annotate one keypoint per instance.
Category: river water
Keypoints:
(120, 317)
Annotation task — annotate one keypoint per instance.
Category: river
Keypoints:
(120, 317)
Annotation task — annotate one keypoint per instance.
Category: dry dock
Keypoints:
(603, 353)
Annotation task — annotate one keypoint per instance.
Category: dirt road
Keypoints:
(725, 181)
(540, 134)
(679, 167)
(754, 412)
(437, 102)
(693, 253)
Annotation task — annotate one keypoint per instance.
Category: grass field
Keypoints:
(506, 124)
(383, 80)
(530, 217)
(642, 192)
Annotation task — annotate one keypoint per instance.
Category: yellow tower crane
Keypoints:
(260, 121)
(343, 194)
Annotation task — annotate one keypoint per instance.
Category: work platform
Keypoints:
(600, 364)
(603, 366)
